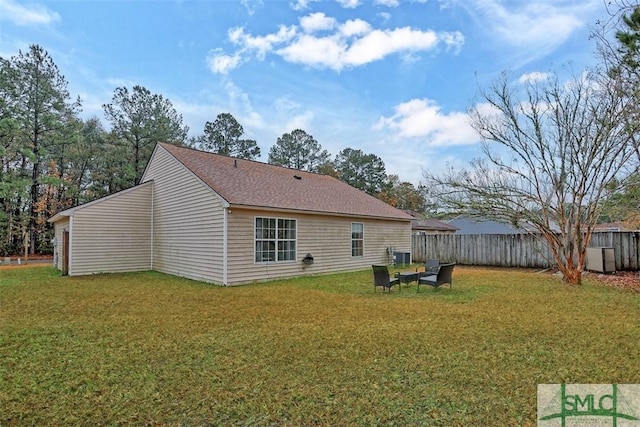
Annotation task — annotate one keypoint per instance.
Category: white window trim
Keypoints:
(352, 239)
(295, 255)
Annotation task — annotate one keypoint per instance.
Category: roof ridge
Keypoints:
(248, 160)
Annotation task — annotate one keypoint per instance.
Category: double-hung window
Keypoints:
(275, 239)
(357, 239)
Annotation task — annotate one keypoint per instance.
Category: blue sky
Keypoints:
(389, 77)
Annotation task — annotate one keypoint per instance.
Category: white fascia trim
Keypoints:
(289, 211)
(69, 212)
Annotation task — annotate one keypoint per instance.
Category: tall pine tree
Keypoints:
(222, 136)
(41, 106)
(140, 119)
(298, 150)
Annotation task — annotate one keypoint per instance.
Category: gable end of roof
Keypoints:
(251, 183)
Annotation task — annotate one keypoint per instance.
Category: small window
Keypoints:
(357, 239)
(275, 239)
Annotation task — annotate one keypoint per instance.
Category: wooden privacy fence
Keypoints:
(516, 250)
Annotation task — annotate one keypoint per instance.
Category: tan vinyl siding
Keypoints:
(188, 222)
(112, 235)
(326, 238)
(60, 227)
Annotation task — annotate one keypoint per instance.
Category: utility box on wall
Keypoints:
(602, 260)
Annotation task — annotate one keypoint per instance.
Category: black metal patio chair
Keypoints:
(431, 267)
(381, 278)
(444, 274)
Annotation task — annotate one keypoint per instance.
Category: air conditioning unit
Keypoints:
(402, 258)
(602, 260)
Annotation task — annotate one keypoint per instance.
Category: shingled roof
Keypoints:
(254, 184)
(431, 224)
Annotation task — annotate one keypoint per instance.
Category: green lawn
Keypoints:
(147, 348)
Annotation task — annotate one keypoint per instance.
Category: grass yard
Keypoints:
(147, 348)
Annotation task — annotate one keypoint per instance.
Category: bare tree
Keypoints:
(551, 153)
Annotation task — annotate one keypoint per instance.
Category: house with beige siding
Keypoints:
(229, 221)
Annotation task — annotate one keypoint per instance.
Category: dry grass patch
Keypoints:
(146, 348)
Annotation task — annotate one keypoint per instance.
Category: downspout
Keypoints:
(224, 245)
(153, 192)
(70, 260)
(410, 244)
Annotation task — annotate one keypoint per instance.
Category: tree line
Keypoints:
(559, 156)
(52, 159)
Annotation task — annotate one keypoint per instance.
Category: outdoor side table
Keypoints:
(408, 276)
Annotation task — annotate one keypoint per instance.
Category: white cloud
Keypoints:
(314, 51)
(535, 22)
(220, 63)
(196, 113)
(355, 27)
(31, 14)
(252, 6)
(487, 110)
(388, 3)
(317, 22)
(223, 97)
(350, 44)
(385, 16)
(535, 76)
(300, 121)
(378, 44)
(363, 46)
(395, 3)
(261, 44)
(120, 82)
(304, 4)
(349, 4)
(301, 4)
(92, 103)
(240, 102)
(535, 27)
(453, 40)
(422, 118)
